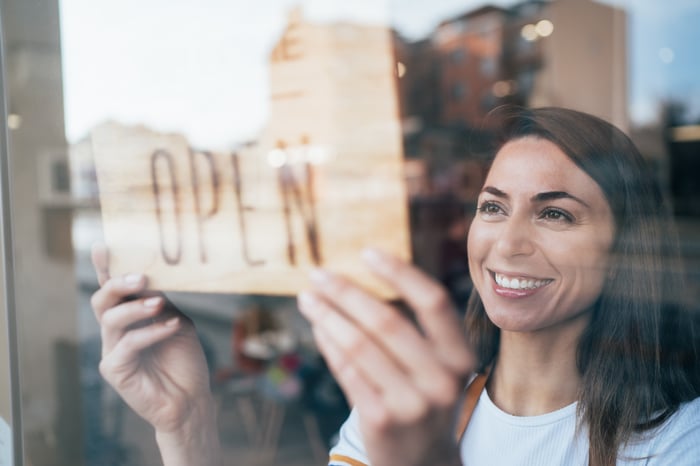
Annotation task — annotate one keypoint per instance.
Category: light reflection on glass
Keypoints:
(544, 28)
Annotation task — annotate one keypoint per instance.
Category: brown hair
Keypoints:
(639, 358)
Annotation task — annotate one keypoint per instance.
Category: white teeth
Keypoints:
(519, 284)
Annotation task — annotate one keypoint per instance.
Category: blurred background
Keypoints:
(204, 70)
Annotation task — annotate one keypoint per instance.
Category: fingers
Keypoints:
(114, 291)
(398, 363)
(341, 371)
(445, 338)
(356, 387)
(126, 316)
(123, 317)
(369, 377)
(100, 260)
(120, 361)
(432, 306)
(382, 324)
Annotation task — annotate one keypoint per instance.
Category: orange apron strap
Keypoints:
(346, 459)
(473, 393)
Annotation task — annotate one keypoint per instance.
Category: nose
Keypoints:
(515, 238)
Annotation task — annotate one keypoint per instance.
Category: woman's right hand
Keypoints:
(152, 357)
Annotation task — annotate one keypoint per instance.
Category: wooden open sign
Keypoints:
(323, 181)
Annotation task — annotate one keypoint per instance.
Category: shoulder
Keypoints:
(684, 422)
(677, 441)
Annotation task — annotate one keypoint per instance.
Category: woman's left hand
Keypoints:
(404, 382)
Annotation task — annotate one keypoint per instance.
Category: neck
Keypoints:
(536, 373)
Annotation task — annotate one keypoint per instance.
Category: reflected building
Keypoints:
(536, 53)
(470, 50)
(44, 290)
(582, 62)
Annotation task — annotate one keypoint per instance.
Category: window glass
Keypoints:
(242, 128)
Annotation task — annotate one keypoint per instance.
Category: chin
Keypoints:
(523, 321)
(511, 321)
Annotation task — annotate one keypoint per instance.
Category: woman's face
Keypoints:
(539, 244)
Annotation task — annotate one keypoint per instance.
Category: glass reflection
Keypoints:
(206, 72)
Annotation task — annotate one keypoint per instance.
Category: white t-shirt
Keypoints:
(496, 438)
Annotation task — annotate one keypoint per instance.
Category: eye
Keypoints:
(490, 208)
(556, 215)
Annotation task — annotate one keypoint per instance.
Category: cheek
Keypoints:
(584, 270)
(597, 271)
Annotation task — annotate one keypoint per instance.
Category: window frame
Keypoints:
(7, 262)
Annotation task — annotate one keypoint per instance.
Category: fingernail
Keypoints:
(320, 276)
(153, 302)
(306, 299)
(375, 258)
(172, 322)
(308, 304)
(371, 255)
(133, 279)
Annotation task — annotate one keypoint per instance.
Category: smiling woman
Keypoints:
(614, 274)
(583, 353)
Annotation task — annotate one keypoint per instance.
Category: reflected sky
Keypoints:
(664, 60)
(200, 68)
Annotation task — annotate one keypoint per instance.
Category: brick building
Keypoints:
(565, 52)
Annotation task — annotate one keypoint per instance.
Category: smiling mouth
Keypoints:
(520, 283)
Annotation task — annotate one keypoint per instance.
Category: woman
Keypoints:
(584, 355)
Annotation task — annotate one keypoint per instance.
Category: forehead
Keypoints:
(537, 165)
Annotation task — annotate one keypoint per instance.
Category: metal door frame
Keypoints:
(6, 243)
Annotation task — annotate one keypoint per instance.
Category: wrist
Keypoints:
(196, 441)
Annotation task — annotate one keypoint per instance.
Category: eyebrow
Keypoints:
(540, 197)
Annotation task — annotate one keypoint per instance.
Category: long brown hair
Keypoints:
(639, 358)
